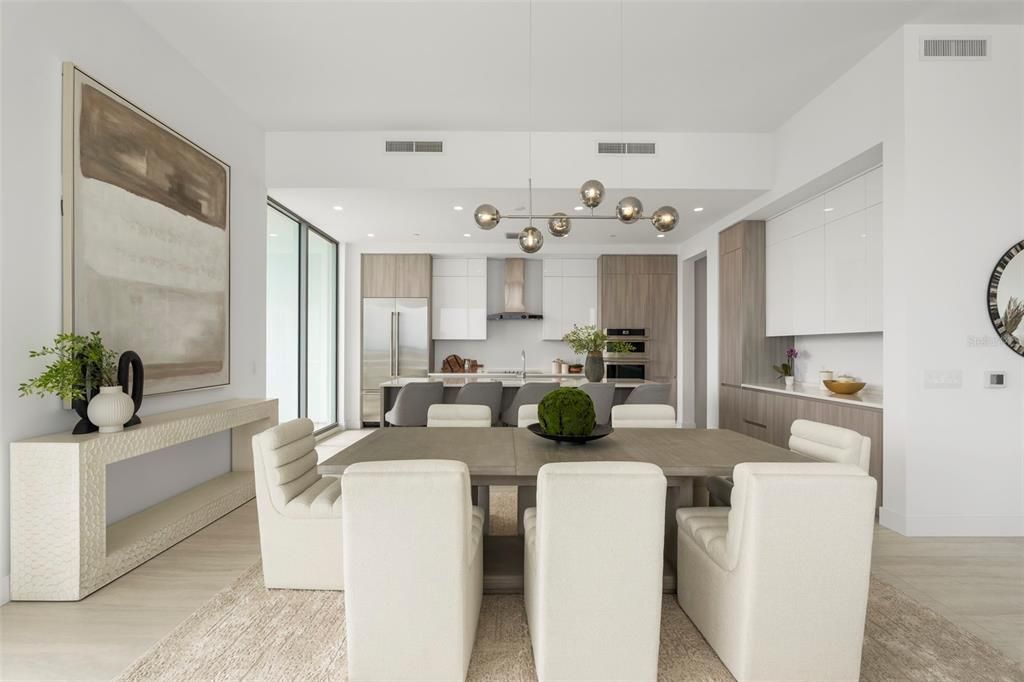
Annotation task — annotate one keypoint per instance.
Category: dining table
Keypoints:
(508, 456)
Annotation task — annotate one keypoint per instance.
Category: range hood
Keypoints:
(515, 276)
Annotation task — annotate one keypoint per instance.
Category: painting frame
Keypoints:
(73, 203)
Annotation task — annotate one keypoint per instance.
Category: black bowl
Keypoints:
(600, 431)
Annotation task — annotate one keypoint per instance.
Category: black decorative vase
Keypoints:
(130, 361)
(80, 406)
(594, 369)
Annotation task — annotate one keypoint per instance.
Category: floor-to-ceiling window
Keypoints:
(302, 318)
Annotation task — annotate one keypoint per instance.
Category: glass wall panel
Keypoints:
(283, 312)
(321, 325)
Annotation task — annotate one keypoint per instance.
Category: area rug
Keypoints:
(247, 632)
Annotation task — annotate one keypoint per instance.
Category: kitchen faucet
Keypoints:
(524, 365)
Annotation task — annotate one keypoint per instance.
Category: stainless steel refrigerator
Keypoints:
(396, 344)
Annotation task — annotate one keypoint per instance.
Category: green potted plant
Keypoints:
(83, 372)
(593, 342)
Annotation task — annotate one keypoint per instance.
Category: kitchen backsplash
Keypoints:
(506, 340)
(859, 355)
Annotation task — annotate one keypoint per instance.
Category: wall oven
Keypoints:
(622, 363)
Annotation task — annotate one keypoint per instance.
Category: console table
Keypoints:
(61, 546)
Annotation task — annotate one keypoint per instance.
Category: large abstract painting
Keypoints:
(146, 238)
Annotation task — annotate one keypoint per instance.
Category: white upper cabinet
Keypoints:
(569, 296)
(823, 262)
(459, 301)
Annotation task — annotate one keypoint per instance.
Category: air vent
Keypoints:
(626, 147)
(511, 235)
(407, 146)
(954, 48)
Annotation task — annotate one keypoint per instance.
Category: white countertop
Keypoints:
(868, 396)
(508, 380)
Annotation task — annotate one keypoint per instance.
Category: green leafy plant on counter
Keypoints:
(80, 364)
(567, 412)
(590, 339)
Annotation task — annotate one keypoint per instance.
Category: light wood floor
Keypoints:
(977, 583)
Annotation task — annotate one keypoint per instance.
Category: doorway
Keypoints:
(700, 342)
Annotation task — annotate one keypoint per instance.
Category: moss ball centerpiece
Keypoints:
(567, 412)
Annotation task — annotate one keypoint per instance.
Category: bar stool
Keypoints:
(482, 393)
(528, 394)
(412, 403)
(649, 394)
(602, 395)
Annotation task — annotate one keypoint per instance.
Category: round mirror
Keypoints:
(1006, 298)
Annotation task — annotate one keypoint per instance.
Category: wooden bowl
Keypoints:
(844, 387)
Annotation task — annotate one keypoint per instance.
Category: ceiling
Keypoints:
(428, 215)
(685, 66)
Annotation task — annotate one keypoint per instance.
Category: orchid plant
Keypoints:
(786, 368)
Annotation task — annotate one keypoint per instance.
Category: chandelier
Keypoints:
(629, 210)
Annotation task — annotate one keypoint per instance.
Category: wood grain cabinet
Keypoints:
(745, 354)
(396, 275)
(642, 292)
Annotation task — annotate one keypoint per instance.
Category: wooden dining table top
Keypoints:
(513, 456)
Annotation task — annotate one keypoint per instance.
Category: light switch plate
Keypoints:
(995, 379)
(943, 378)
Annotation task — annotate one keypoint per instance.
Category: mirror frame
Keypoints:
(1017, 250)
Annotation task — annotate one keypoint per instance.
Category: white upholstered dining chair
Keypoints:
(527, 415)
(299, 511)
(593, 570)
(819, 441)
(643, 416)
(459, 415)
(413, 570)
(778, 583)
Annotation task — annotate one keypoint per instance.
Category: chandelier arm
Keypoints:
(529, 216)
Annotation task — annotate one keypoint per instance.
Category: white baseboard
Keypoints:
(952, 526)
(5, 589)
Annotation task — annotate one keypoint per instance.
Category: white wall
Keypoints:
(951, 135)
(964, 175)
(858, 355)
(108, 41)
(501, 159)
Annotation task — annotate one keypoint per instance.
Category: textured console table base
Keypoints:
(61, 546)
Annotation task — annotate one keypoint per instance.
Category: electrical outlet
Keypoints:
(943, 378)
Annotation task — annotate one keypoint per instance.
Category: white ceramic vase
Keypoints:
(110, 409)
(789, 383)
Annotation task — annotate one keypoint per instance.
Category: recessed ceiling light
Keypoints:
(661, 236)
(829, 209)
(338, 208)
(467, 235)
(698, 209)
(456, 208)
(369, 234)
(273, 234)
(577, 208)
(415, 234)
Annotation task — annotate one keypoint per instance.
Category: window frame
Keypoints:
(305, 227)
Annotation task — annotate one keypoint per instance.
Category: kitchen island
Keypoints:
(510, 384)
